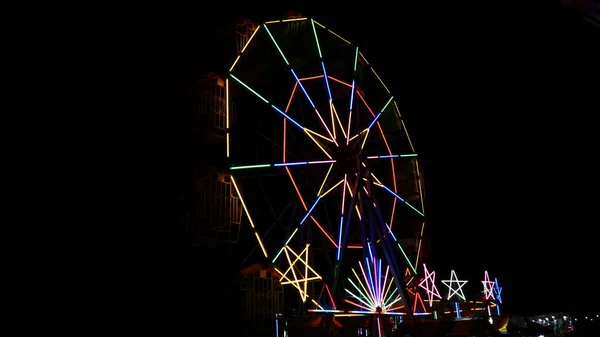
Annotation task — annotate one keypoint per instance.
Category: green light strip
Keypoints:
(249, 166)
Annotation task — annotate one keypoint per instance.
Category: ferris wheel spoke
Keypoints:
(262, 246)
(380, 184)
(341, 226)
(266, 101)
(285, 164)
(321, 228)
(335, 117)
(332, 111)
(287, 117)
(310, 101)
(408, 262)
(309, 210)
(353, 89)
(380, 112)
(378, 123)
(307, 215)
(244, 49)
(419, 245)
(308, 131)
(375, 118)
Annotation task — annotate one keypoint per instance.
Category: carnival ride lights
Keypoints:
(452, 291)
(428, 283)
(497, 294)
(488, 287)
(301, 279)
(459, 284)
(375, 287)
(374, 293)
(491, 291)
(376, 296)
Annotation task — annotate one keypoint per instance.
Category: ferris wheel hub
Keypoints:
(348, 156)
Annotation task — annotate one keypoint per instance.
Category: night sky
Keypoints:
(499, 102)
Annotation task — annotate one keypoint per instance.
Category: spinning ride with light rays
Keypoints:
(328, 177)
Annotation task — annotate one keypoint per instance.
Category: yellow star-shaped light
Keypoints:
(301, 275)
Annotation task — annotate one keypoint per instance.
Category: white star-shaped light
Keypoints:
(488, 287)
(459, 284)
(429, 286)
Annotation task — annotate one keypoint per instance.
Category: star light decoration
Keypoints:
(300, 277)
(429, 286)
(459, 284)
(497, 290)
(374, 291)
(488, 287)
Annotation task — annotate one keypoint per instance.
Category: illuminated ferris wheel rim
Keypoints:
(335, 139)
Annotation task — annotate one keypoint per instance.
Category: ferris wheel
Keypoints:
(321, 159)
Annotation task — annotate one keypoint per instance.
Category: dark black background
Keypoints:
(499, 101)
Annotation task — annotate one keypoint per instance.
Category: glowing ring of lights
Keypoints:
(342, 135)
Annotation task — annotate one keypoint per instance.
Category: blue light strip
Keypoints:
(310, 210)
(400, 198)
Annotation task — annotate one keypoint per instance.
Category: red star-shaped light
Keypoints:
(488, 287)
(429, 286)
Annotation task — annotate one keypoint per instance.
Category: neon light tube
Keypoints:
(249, 166)
(399, 198)
(374, 120)
(366, 297)
(276, 45)
(392, 233)
(311, 78)
(297, 19)
(340, 237)
(288, 117)
(242, 200)
(234, 63)
(348, 42)
(322, 161)
(370, 283)
(291, 164)
(227, 115)
(352, 97)
(312, 22)
(326, 80)
(366, 307)
(355, 58)
(249, 89)
(488, 286)
(262, 247)
(310, 210)
(340, 82)
(379, 78)
(302, 87)
(452, 290)
(285, 244)
(497, 290)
